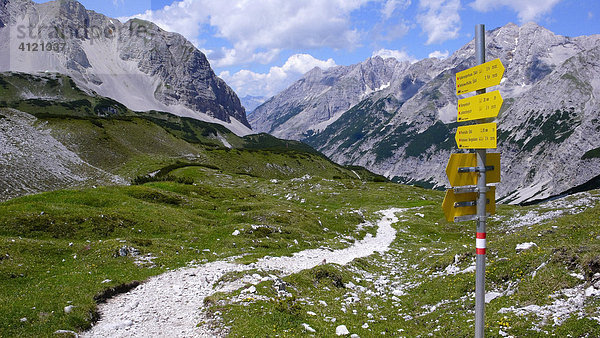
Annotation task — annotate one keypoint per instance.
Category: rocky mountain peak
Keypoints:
(69, 6)
(398, 118)
(135, 63)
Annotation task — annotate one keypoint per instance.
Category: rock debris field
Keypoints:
(171, 304)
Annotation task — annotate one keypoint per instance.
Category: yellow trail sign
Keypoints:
(456, 205)
(478, 136)
(479, 106)
(458, 179)
(479, 77)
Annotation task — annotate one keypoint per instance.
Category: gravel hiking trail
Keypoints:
(171, 304)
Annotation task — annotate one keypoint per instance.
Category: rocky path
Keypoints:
(171, 304)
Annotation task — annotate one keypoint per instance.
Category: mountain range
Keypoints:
(395, 118)
(86, 100)
(399, 118)
(176, 224)
(136, 63)
(251, 102)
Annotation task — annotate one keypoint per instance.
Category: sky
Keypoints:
(260, 47)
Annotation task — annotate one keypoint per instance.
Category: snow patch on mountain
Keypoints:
(370, 90)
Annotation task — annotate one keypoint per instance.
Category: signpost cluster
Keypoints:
(470, 173)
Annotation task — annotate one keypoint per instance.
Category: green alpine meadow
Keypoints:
(191, 201)
(283, 168)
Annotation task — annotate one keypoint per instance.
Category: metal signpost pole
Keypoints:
(471, 198)
(481, 206)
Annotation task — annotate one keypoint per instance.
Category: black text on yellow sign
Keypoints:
(479, 77)
(477, 136)
(481, 106)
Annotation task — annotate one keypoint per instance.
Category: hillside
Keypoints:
(135, 202)
(57, 136)
(398, 119)
(204, 199)
(543, 270)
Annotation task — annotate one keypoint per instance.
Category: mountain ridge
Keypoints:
(550, 105)
(135, 63)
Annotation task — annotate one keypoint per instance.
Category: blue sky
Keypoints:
(261, 46)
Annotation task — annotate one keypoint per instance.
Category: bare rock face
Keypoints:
(135, 63)
(186, 75)
(321, 97)
(399, 119)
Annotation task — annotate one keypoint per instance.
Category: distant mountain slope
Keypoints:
(251, 102)
(548, 129)
(136, 63)
(321, 97)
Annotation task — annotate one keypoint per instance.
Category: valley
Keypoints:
(141, 197)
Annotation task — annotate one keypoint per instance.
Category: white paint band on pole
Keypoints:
(480, 243)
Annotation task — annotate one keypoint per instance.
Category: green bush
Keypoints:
(327, 273)
(139, 180)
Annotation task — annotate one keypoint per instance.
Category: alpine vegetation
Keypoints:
(136, 202)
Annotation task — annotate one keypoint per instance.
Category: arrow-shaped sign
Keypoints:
(479, 77)
(479, 106)
(477, 136)
(464, 204)
(459, 174)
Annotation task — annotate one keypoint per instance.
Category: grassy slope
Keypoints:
(433, 300)
(177, 223)
(137, 146)
(41, 272)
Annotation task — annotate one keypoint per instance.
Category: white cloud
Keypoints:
(252, 27)
(590, 15)
(246, 82)
(225, 57)
(399, 55)
(439, 55)
(184, 17)
(391, 6)
(439, 19)
(527, 10)
(394, 32)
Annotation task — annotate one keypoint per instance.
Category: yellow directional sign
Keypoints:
(482, 76)
(477, 136)
(479, 106)
(458, 179)
(456, 205)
